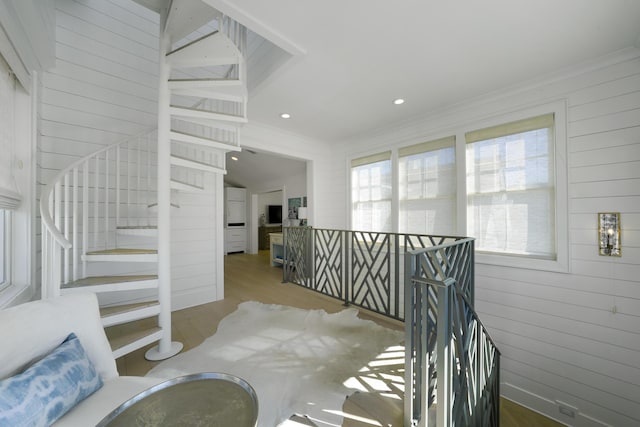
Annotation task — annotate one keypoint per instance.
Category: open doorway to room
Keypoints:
(273, 182)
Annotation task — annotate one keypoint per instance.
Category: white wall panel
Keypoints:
(574, 337)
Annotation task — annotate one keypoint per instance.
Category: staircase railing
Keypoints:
(364, 268)
(452, 367)
(85, 202)
(428, 281)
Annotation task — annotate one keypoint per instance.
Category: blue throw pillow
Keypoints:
(49, 388)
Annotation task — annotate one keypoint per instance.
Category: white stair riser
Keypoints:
(121, 258)
(149, 339)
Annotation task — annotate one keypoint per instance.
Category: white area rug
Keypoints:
(296, 360)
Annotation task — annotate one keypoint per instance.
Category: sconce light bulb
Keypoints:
(610, 232)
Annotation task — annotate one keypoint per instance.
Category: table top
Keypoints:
(206, 399)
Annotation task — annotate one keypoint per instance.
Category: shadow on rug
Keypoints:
(298, 361)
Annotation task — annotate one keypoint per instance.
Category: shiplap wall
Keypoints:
(102, 90)
(565, 337)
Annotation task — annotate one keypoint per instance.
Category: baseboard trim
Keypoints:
(193, 297)
(547, 407)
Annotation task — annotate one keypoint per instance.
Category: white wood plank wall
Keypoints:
(571, 337)
(104, 88)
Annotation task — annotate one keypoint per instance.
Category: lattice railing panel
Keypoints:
(371, 266)
(329, 266)
(296, 258)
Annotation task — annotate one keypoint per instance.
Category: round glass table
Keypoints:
(207, 399)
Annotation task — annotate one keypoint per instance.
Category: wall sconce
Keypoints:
(302, 215)
(609, 234)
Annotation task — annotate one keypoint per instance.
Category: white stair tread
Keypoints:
(103, 284)
(194, 164)
(113, 310)
(201, 140)
(107, 280)
(194, 113)
(209, 50)
(132, 341)
(118, 314)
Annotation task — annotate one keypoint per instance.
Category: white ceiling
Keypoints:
(361, 54)
(257, 169)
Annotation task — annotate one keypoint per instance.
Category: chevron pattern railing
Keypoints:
(451, 363)
(366, 269)
(452, 366)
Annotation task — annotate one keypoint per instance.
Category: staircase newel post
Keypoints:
(165, 348)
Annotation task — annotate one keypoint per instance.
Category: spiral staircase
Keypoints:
(106, 219)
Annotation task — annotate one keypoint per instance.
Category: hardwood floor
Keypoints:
(251, 278)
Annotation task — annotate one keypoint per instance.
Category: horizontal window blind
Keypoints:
(371, 193)
(511, 188)
(428, 187)
(374, 158)
(520, 126)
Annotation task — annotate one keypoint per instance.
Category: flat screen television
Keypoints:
(274, 214)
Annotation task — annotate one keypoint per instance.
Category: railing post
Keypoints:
(165, 348)
(348, 258)
(85, 214)
(74, 214)
(444, 350)
(409, 343)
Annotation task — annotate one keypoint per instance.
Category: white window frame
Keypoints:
(561, 262)
(5, 248)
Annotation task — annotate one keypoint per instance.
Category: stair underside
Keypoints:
(206, 83)
(185, 186)
(210, 117)
(227, 93)
(193, 164)
(210, 50)
(201, 140)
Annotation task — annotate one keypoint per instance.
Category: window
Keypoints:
(428, 188)
(511, 188)
(371, 193)
(9, 196)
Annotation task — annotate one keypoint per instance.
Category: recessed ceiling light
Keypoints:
(234, 158)
(285, 115)
(398, 101)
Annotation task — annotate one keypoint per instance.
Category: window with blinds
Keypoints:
(371, 193)
(427, 190)
(511, 188)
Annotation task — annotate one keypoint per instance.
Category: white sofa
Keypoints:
(31, 330)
